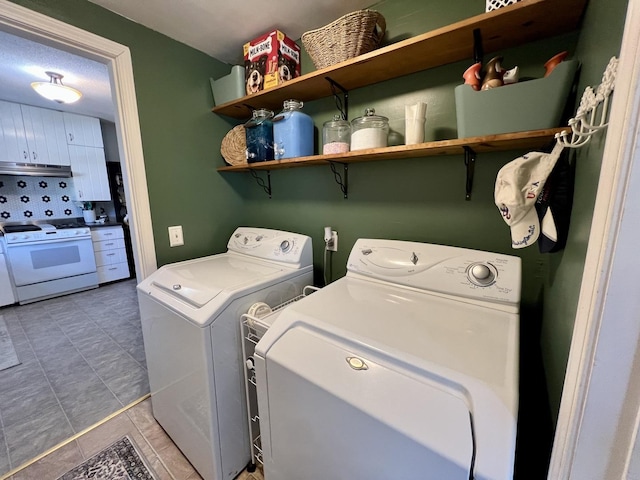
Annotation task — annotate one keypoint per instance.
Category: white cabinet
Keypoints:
(45, 133)
(32, 135)
(13, 141)
(83, 130)
(89, 169)
(110, 252)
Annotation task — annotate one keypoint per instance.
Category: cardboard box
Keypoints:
(270, 60)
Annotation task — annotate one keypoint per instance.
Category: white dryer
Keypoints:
(405, 368)
(190, 314)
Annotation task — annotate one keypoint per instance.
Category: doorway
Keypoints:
(23, 22)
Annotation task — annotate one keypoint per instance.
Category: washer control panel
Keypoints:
(448, 270)
(286, 247)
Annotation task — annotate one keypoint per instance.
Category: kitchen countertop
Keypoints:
(105, 224)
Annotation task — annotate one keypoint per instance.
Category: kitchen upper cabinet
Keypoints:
(45, 133)
(83, 130)
(13, 141)
(32, 135)
(89, 168)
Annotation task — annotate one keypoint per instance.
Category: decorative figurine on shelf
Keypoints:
(493, 76)
(472, 76)
(511, 76)
(553, 62)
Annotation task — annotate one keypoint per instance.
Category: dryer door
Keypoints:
(332, 409)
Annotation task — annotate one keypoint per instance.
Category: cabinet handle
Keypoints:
(113, 268)
(110, 254)
(35, 155)
(106, 234)
(108, 244)
(71, 137)
(25, 154)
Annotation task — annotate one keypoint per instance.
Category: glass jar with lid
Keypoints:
(292, 131)
(336, 136)
(259, 136)
(369, 131)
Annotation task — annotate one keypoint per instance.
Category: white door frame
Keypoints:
(26, 23)
(598, 422)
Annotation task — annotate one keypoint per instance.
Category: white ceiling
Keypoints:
(218, 28)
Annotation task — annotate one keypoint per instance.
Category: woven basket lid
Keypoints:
(234, 145)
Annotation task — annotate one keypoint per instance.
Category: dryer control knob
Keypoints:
(481, 274)
(285, 246)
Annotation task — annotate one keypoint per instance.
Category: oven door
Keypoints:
(50, 260)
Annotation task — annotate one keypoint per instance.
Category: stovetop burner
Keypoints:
(48, 225)
(68, 225)
(20, 228)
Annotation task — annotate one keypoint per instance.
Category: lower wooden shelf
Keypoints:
(535, 139)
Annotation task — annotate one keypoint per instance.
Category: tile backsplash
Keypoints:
(25, 198)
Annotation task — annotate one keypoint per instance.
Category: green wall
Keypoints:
(418, 199)
(600, 39)
(180, 136)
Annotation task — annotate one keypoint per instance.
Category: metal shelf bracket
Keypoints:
(340, 180)
(341, 103)
(470, 162)
(265, 186)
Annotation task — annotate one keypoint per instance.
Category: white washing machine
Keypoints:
(190, 314)
(405, 368)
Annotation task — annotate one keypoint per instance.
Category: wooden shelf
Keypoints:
(506, 27)
(490, 143)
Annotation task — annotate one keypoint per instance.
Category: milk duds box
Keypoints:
(270, 60)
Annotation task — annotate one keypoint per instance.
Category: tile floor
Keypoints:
(164, 458)
(82, 360)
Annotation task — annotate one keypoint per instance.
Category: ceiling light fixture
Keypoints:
(55, 90)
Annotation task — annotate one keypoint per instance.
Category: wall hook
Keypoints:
(592, 104)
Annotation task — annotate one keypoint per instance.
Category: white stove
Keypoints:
(49, 259)
(28, 233)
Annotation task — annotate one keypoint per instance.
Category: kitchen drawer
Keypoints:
(109, 257)
(106, 233)
(109, 273)
(111, 244)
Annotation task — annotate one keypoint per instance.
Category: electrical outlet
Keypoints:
(175, 236)
(332, 245)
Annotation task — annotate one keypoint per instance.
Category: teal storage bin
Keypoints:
(528, 105)
(230, 87)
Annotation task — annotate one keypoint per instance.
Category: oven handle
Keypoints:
(46, 242)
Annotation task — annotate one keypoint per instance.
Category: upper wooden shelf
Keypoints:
(506, 27)
(490, 143)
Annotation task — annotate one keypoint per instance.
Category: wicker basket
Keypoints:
(234, 145)
(347, 37)
(496, 4)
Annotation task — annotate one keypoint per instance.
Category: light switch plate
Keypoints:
(175, 236)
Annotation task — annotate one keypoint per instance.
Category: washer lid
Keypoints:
(198, 282)
(391, 418)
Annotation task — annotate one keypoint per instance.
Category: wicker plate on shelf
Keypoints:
(234, 145)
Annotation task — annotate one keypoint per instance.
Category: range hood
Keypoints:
(34, 170)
